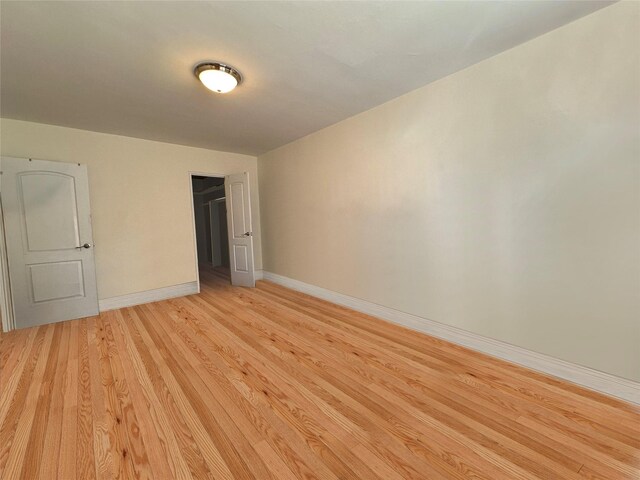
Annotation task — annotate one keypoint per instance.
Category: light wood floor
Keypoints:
(272, 384)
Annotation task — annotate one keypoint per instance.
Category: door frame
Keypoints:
(193, 215)
(6, 303)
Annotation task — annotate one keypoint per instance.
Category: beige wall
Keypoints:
(140, 199)
(503, 199)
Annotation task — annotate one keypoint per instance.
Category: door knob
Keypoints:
(247, 234)
(86, 245)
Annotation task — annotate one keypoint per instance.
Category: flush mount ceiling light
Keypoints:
(218, 77)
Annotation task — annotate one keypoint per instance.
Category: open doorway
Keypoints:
(210, 216)
(222, 226)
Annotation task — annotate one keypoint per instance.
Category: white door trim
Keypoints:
(6, 303)
(193, 216)
(148, 296)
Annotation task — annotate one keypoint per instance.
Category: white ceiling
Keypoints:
(126, 67)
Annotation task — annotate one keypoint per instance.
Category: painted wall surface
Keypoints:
(503, 199)
(141, 199)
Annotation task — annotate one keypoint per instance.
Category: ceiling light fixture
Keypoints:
(218, 77)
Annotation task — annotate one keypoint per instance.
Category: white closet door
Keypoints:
(49, 240)
(239, 230)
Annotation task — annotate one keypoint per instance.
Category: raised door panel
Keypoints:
(241, 258)
(49, 211)
(238, 220)
(56, 281)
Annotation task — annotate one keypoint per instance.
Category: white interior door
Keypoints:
(239, 229)
(49, 241)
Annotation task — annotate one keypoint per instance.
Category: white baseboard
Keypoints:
(148, 296)
(603, 382)
(259, 274)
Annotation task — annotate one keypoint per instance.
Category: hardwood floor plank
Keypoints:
(15, 431)
(35, 446)
(11, 351)
(126, 418)
(274, 462)
(271, 384)
(216, 465)
(308, 427)
(11, 374)
(208, 412)
(406, 393)
(102, 427)
(166, 461)
(289, 349)
(66, 466)
(170, 413)
(53, 433)
(286, 441)
(450, 470)
(85, 458)
(267, 391)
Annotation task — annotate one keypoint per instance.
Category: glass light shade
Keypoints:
(218, 81)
